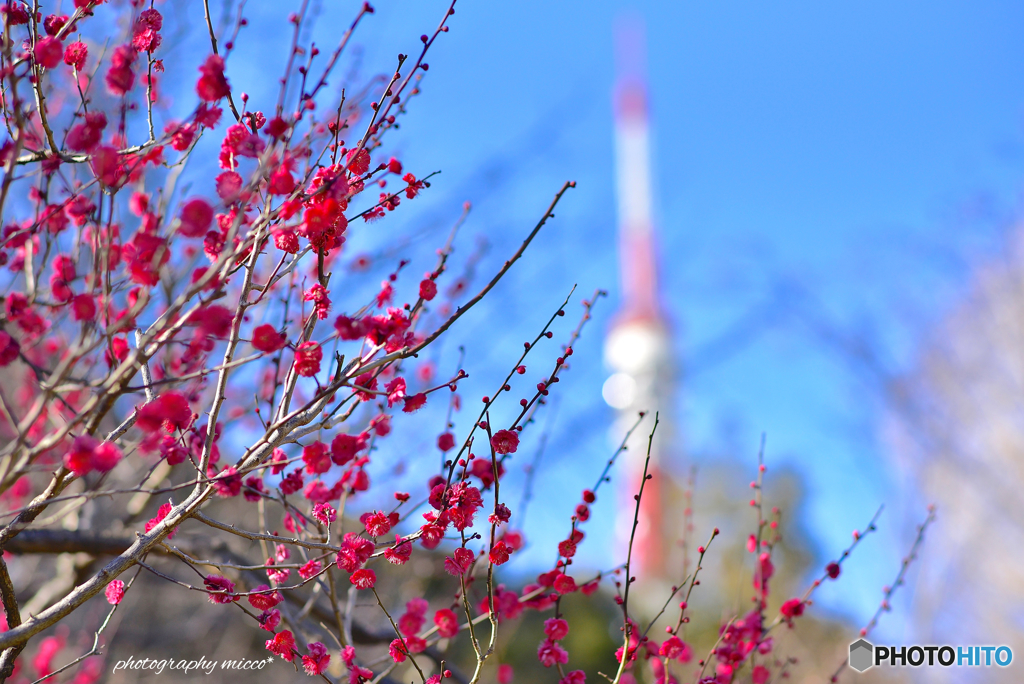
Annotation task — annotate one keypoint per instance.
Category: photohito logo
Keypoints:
(865, 655)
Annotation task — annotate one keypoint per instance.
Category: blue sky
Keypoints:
(859, 155)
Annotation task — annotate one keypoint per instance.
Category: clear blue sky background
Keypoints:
(859, 154)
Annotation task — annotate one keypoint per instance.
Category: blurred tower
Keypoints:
(638, 348)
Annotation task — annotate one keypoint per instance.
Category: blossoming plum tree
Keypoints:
(144, 316)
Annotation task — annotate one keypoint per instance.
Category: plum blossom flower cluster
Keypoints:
(184, 325)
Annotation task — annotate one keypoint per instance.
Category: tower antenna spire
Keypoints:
(637, 251)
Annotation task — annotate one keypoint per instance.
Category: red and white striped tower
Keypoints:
(638, 348)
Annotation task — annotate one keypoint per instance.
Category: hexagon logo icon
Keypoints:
(862, 655)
